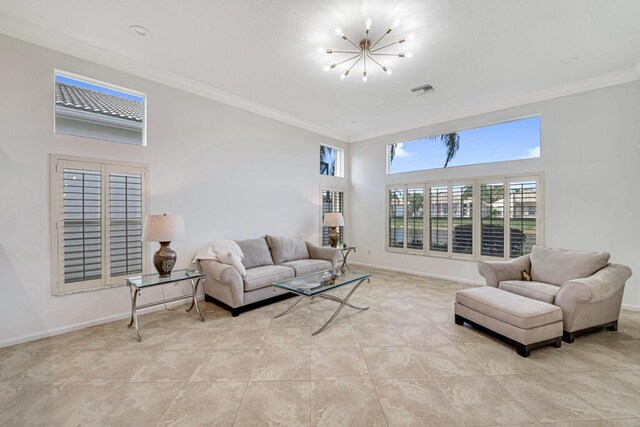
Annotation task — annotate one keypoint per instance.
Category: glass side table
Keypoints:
(345, 251)
(137, 283)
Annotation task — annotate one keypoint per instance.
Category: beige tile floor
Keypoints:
(403, 362)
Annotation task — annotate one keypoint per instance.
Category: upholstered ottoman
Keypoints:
(523, 321)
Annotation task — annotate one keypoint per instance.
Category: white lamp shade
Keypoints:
(163, 228)
(333, 220)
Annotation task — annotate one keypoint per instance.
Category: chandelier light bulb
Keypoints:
(344, 75)
(395, 23)
(364, 76)
(411, 37)
(387, 70)
(321, 50)
(338, 31)
(408, 55)
(326, 68)
(367, 23)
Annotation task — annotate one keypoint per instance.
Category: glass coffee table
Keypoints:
(316, 285)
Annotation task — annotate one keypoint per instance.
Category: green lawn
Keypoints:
(528, 226)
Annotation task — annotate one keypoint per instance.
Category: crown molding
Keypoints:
(571, 88)
(57, 42)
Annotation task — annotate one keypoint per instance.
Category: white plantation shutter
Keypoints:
(439, 219)
(462, 219)
(125, 221)
(332, 201)
(80, 223)
(522, 217)
(97, 212)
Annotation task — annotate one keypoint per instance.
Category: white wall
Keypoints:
(232, 174)
(591, 165)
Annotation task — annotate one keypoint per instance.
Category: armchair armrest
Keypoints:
(599, 286)
(495, 272)
(326, 253)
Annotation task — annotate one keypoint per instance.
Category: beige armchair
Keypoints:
(586, 287)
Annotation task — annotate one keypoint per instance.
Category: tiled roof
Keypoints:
(79, 98)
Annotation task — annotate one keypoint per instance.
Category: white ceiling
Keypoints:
(261, 55)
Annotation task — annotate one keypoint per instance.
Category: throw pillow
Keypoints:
(229, 258)
(526, 276)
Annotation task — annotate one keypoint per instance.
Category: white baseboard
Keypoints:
(631, 307)
(87, 324)
(420, 273)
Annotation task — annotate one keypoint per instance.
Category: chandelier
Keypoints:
(367, 51)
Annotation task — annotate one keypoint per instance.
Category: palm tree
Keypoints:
(450, 140)
(325, 167)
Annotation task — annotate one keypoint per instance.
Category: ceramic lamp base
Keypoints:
(164, 259)
(333, 237)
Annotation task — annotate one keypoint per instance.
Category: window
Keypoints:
(93, 109)
(97, 215)
(518, 139)
(332, 201)
(331, 161)
(466, 219)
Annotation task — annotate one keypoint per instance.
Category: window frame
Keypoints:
(462, 129)
(107, 85)
(476, 182)
(57, 163)
(340, 161)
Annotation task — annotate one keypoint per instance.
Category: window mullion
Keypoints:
(105, 228)
(450, 219)
(507, 218)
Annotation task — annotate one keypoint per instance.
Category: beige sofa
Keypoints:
(586, 287)
(267, 260)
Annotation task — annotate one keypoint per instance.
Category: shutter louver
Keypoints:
(439, 219)
(415, 218)
(125, 223)
(522, 211)
(396, 218)
(81, 225)
(492, 223)
(462, 219)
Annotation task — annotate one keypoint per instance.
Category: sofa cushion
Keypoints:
(261, 277)
(256, 252)
(530, 289)
(284, 249)
(557, 266)
(516, 310)
(307, 266)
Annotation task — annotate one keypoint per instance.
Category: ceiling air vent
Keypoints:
(421, 90)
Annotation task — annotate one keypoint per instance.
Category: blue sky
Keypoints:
(70, 81)
(518, 139)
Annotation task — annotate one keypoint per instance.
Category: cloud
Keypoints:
(533, 152)
(400, 151)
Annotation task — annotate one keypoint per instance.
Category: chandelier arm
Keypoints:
(348, 59)
(387, 54)
(345, 51)
(379, 65)
(387, 45)
(378, 41)
(355, 63)
(349, 40)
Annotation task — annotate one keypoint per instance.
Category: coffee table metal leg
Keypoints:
(289, 309)
(342, 302)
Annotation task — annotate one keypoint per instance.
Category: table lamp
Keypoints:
(333, 220)
(164, 229)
